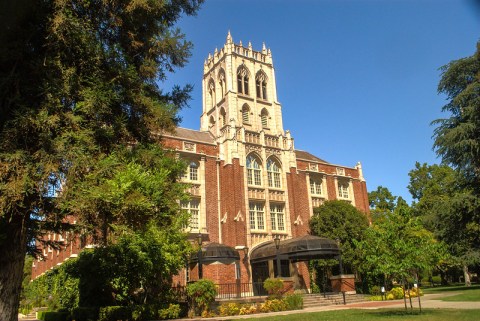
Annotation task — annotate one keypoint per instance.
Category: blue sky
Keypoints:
(357, 80)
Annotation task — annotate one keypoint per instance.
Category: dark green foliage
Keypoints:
(172, 312)
(85, 314)
(293, 301)
(79, 88)
(201, 294)
(340, 220)
(114, 313)
(53, 316)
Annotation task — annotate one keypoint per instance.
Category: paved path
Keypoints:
(429, 301)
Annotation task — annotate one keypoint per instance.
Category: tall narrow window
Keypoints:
(261, 85)
(245, 114)
(242, 80)
(277, 217)
(264, 117)
(256, 216)
(343, 190)
(193, 208)
(315, 185)
(211, 92)
(273, 172)
(222, 83)
(254, 172)
(223, 117)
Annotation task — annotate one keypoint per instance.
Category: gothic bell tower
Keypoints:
(240, 97)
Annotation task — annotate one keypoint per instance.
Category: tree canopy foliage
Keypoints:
(340, 220)
(457, 138)
(81, 111)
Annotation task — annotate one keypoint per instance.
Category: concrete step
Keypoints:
(312, 300)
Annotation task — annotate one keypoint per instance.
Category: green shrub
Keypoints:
(273, 286)
(248, 309)
(396, 292)
(172, 312)
(293, 301)
(315, 288)
(85, 314)
(273, 305)
(114, 313)
(437, 279)
(375, 290)
(144, 312)
(53, 316)
(201, 294)
(229, 309)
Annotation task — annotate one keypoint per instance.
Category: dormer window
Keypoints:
(242, 80)
(261, 85)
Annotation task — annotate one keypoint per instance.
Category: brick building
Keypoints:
(248, 183)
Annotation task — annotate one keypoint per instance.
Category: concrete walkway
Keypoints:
(428, 301)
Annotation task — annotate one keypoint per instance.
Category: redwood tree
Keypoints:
(78, 82)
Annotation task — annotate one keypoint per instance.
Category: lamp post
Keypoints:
(340, 256)
(199, 254)
(277, 246)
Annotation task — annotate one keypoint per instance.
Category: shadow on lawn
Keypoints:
(398, 313)
(453, 288)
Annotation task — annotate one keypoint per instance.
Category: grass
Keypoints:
(379, 315)
(468, 294)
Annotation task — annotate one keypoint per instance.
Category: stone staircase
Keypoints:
(315, 300)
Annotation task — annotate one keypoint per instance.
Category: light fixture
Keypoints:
(277, 242)
(199, 239)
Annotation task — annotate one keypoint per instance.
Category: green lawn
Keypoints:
(471, 293)
(378, 315)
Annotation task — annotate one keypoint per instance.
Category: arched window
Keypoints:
(211, 93)
(211, 122)
(222, 82)
(191, 173)
(246, 114)
(264, 117)
(273, 173)
(261, 85)
(242, 80)
(254, 171)
(223, 117)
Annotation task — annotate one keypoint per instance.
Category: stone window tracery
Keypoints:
(261, 85)
(264, 118)
(273, 173)
(254, 171)
(222, 82)
(246, 114)
(242, 80)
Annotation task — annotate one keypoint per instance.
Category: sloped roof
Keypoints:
(192, 135)
(301, 154)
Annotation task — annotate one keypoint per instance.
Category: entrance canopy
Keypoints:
(308, 247)
(215, 252)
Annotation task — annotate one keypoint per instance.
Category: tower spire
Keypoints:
(229, 38)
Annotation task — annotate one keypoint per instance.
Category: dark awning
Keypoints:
(215, 252)
(303, 248)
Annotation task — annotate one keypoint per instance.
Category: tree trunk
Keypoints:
(12, 258)
(466, 275)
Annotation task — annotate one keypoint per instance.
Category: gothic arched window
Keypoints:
(261, 85)
(264, 117)
(222, 82)
(273, 172)
(246, 114)
(223, 117)
(211, 93)
(242, 80)
(254, 171)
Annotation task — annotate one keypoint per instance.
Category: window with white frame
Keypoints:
(242, 80)
(193, 208)
(316, 185)
(254, 171)
(277, 217)
(273, 173)
(256, 215)
(191, 174)
(343, 189)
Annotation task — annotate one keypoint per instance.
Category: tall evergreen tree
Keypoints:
(78, 84)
